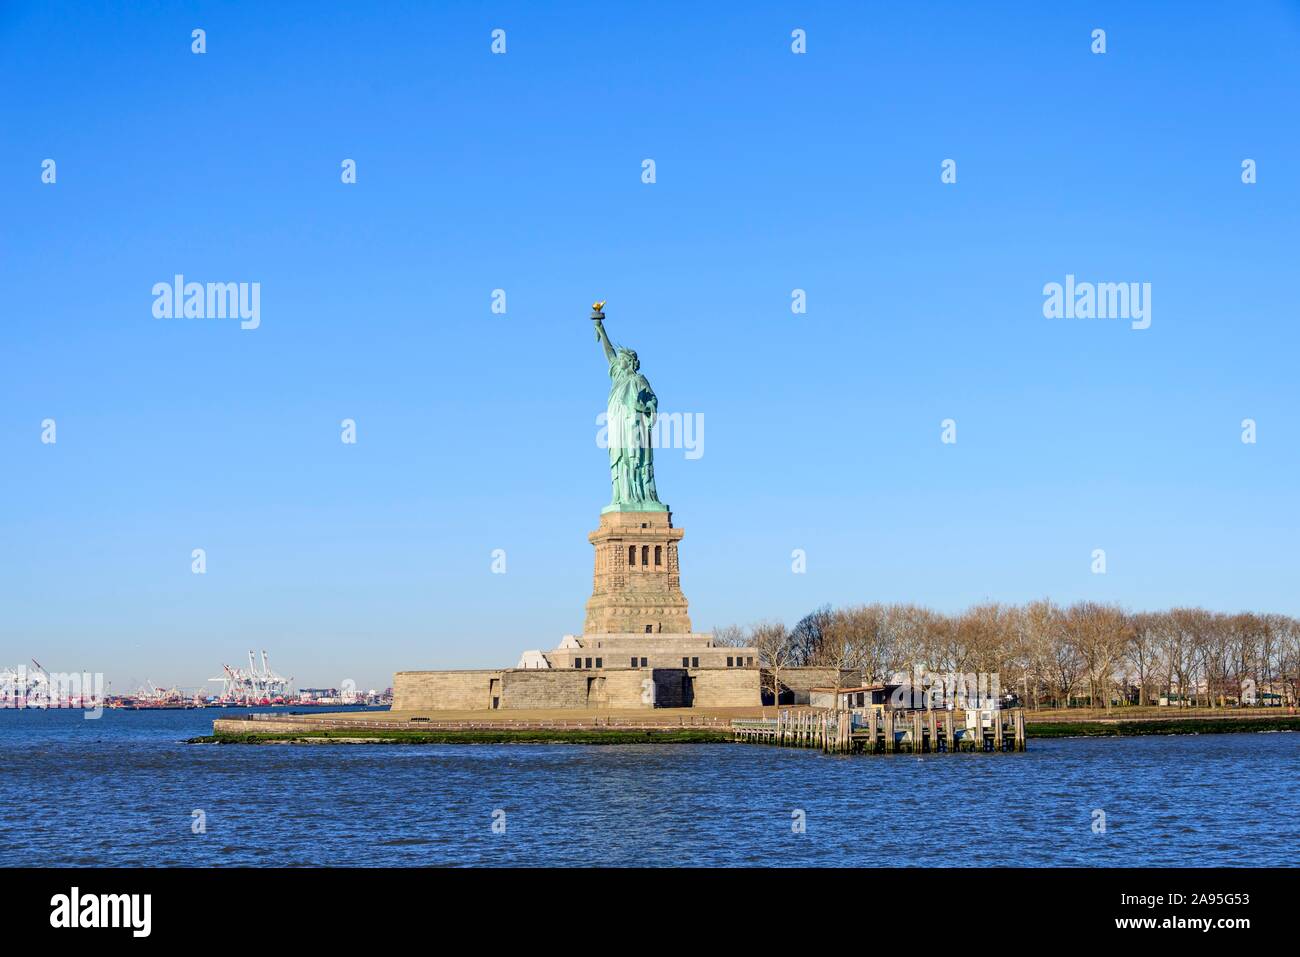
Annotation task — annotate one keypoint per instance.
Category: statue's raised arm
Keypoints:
(598, 317)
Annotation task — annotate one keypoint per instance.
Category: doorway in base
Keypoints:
(673, 688)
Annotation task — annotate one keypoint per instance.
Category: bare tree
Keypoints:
(844, 642)
(1142, 651)
(1040, 633)
(1285, 667)
(806, 636)
(910, 627)
(1180, 639)
(772, 642)
(1064, 666)
(1099, 632)
(730, 636)
(1287, 632)
(875, 644)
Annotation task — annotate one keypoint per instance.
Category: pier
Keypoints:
(887, 731)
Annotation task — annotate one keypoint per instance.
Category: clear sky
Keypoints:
(476, 431)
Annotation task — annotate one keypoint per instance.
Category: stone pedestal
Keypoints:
(637, 586)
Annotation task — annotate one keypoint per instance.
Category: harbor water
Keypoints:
(125, 790)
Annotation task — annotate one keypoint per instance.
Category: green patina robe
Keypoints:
(630, 418)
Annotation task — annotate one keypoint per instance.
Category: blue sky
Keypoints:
(476, 431)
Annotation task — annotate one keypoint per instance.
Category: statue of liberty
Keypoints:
(630, 419)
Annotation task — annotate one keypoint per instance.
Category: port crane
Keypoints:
(255, 685)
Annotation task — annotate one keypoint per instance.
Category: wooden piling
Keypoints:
(921, 731)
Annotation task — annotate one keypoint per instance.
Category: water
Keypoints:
(121, 791)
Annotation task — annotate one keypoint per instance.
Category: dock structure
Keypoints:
(887, 731)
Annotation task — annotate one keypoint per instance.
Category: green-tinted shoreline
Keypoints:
(1036, 730)
(1127, 729)
(506, 736)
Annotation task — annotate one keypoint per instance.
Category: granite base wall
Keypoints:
(549, 689)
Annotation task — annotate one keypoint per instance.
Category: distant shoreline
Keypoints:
(1141, 727)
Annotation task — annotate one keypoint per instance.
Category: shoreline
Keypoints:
(1120, 728)
(477, 736)
(1139, 727)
